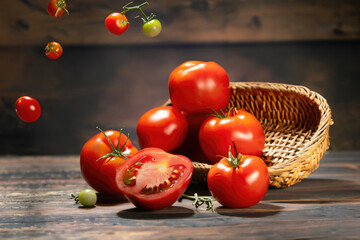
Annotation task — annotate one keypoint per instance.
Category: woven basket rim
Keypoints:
(293, 170)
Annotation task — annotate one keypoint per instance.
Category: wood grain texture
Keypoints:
(26, 22)
(35, 204)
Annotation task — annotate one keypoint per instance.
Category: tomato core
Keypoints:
(144, 168)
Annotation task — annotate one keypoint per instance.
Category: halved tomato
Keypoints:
(154, 179)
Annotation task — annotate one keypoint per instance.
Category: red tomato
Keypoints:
(238, 182)
(198, 87)
(56, 8)
(191, 146)
(163, 127)
(217, 133)
(100, 172)
(116, 23)
(28, 109)
(154, 179)
(53, 50)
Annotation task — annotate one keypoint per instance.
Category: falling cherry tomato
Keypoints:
(28, 109)
(152, 28)
(53, 50)
(56, 8)
(116, 23)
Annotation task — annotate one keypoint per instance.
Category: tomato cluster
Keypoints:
(117, 23)
(197, 126)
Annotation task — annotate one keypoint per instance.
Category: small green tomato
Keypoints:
(152, 28)
(87, 198)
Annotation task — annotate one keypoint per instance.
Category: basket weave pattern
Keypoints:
(296, 122)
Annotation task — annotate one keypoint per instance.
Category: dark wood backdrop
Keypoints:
(109, 80)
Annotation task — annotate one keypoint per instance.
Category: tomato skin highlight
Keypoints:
(163, 127)
(199, 87)
(28, 109)
(116, 23)
(167, 162)
(53, 50)
(100, 173)
(239, 187)
(216, 135)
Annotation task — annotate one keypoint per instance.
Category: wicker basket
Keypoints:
(296, 122)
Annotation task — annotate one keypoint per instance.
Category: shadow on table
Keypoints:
(168, 213)
(110, 200)
(257, 211)
(316, 190)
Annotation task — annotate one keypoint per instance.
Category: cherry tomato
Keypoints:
(53, 50)
(152, 28)
(163, 127)
(100, 157)
(218, 132)
(199, 87)
(87, 198)
(154, 179)
(116, 23)
(238, 182)
(28, 109)
(56, 8)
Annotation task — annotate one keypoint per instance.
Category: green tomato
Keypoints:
(152, 28)
(87, 197)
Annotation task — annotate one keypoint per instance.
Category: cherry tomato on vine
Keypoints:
(53, 50)
(199, 87)
(218, 131)
(152, 28)
(116, 23)
(154, 179)
(163, 127)
(56, 8)
(99, 159)
(238, 182)
(28, 109)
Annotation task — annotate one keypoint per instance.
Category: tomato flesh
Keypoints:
(154, 179)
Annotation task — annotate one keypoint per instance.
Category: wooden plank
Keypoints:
(35, 203)
(26, 22)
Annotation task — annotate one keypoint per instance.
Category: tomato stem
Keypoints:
(199, 200)
(49, 47)
(118, 152)
(76, 198)
(138, 7)
(234, 161)
(61, 5)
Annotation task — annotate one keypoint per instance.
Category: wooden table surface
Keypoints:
(35, 204)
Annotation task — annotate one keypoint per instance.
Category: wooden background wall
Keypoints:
(109, 80)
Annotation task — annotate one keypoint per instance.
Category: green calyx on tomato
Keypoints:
(234, 161)
(118, 151)
(61, 4)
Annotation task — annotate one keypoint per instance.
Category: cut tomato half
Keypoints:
(154, 179)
